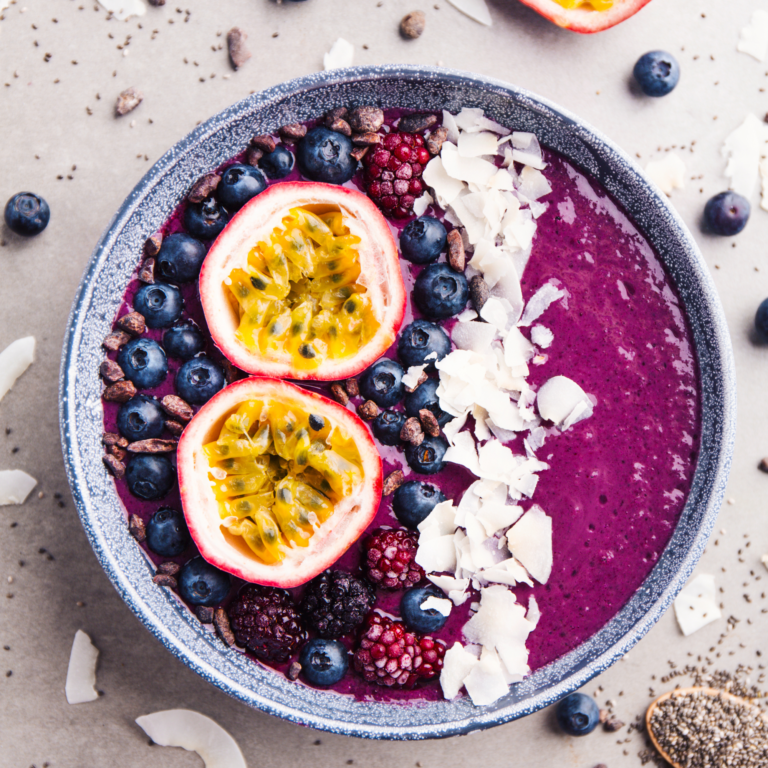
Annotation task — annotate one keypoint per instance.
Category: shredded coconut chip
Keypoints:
(81, 673)
(15, 486)
(341, 55)
(753, 38)
(124, 9)
(668, 174)
(475, 9)
(743, 148)
(14, 360)
(696, 606)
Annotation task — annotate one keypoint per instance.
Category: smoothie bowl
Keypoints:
(510, 423)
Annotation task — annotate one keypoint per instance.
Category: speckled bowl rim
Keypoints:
(119, 250)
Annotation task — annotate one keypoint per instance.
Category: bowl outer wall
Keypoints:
(114, 261)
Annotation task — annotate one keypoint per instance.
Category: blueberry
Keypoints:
(419, 340)
(425, 396)
(761, 318)
(383, 383)
(27, 214)
(414, 500)
(423, 240)
(387, 425)
(143, 362)
(239, 184)
(149, 476)
(180, 258)
(167, 532)
(160, 303)
(323, 662)
(427, 458)
(657, 73)
(415, 617)
(324, 155)
(183, 341)
(141, 418)
(198, 380)
(726, 214)
(577, 714)
(201, 583)
(440, 292)
(205, 220)
(277, 164)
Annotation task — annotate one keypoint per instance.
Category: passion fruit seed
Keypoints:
(300, 294)
(277, 473)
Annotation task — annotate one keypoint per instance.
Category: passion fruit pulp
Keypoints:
(586, 16)
(304, 283)
(276, 482)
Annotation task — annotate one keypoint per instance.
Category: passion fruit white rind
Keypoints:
(584, 18)
(351, 514)
(380, 277)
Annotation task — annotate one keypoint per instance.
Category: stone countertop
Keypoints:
(62, 65)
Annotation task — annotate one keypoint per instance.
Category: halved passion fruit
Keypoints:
(304, 283)
(276, 482)
(586, 16)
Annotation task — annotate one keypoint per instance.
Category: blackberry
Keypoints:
(335, 603)
(266, 622)
(389, 558)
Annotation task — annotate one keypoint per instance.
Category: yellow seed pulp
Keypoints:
(597, 5)
(299, 292)
(277, 475)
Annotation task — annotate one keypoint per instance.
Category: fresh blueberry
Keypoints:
(421, 339)
(577, 714)
(423, 240)
(413, 501)
(657, 73)
(415, 617)
(426, 458)
(167, 532)
(160, 303)
(387, 425)
(183, 341)
(27, 214)
(143, 362)
(205, 220)
(761, 318)
(201, 583)
(141, 418)
(323, 662)
(726, 214)
(198, 380)
(150, 476)
(277, 164)
(425, 396)
(324, 155)
(180, 258)
(240, 183)
(383, 383)
(440, 292)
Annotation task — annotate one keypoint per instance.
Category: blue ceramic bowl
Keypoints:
(115, 259)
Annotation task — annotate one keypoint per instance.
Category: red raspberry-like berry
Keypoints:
(389, 655)
(389, 554)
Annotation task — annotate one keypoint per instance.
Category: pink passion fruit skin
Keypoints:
(351, 515)
(585, 19)
(255, 221)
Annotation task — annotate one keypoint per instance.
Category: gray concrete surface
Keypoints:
(58, 137)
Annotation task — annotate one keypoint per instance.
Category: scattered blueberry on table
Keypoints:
(577, 714)
(657, 73)
(761, 318)
(27, 214)
(726, 214)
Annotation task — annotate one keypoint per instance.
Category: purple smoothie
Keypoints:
(617, 481)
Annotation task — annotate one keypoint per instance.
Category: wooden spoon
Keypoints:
(714, 692)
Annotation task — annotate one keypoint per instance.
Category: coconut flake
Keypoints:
(542, 336)
(764, 184)
(450, 125)
(439, 604)
(420, 204)
(473, 170)
(696, 606)
(15, 486)
(563, 402)
(477, 144)
(457, 665)
(530, 541)
(533, 183)
(81, 672)
(196, 733)
(411, 378)
(463, 452)
(494, 313)
(14, 360)
(496, 515)
(124, 9)
(743, 148)
(668, 174)
(753, 38)
(445, 187)
(456, 589)
(764, 561)
(486, 682)
(540, 302)
(341, 55)
(473, 336)
(534, 612)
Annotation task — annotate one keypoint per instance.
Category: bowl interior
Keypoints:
(114, 261)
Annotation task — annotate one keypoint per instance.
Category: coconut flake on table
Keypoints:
(15, 486)
(342, 54)
(124, 9)
(764, 561)
(668, 174)
(742, 149)
(530, 541)
(563, 402)
(542, 336)
(81, 672)
(753, 38)
(196, 733)
(14, 360)
(764, 184)
(696, 606)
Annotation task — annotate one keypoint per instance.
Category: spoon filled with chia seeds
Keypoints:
(708, 728)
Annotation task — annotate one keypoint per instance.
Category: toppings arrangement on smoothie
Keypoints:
(310, 537)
